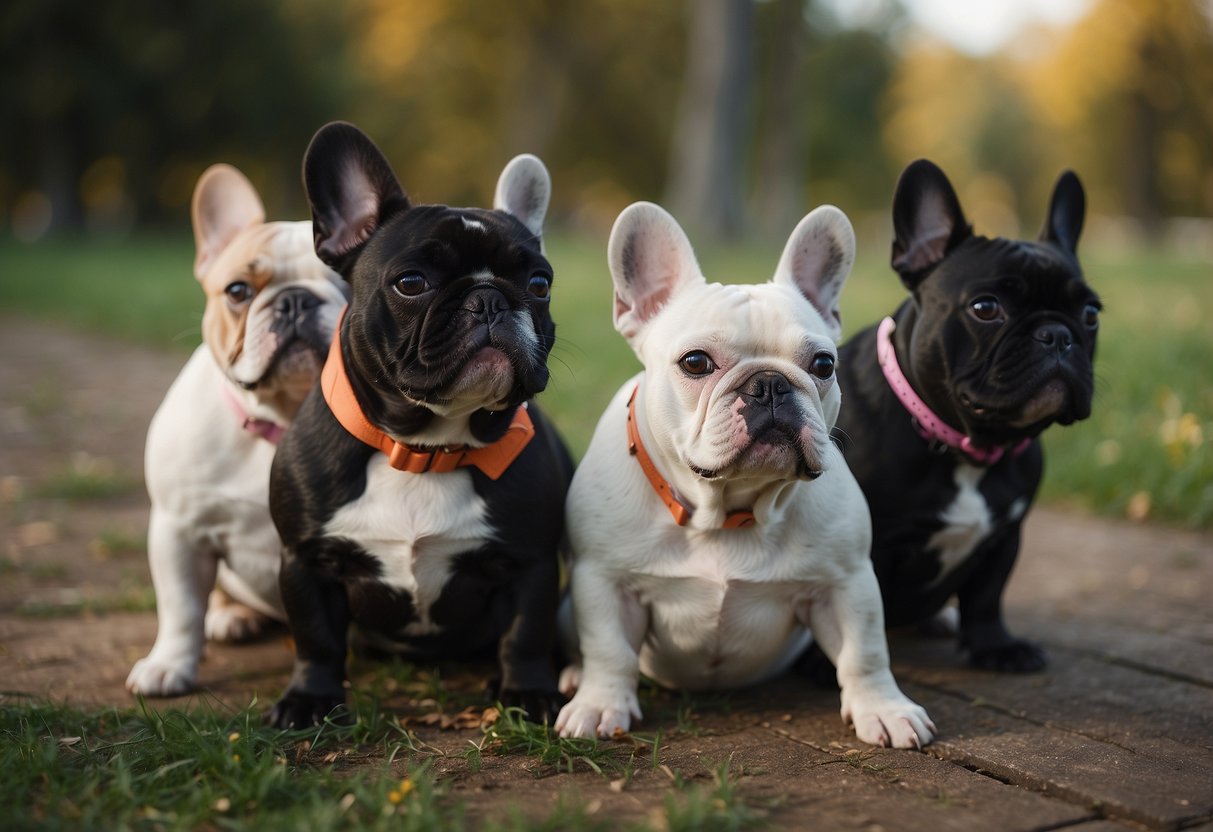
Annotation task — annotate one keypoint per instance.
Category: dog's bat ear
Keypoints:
(927, 221)
(1067, 209)
(650, 259)
(224, 204)
(817, 260)
(523, 191)
(351, 189)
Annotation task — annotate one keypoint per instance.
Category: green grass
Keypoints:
(221, 768)
(1146, 450)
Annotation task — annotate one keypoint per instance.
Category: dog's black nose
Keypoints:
(766, 388)
(291, 303)
(1055, 337)
(487, 305)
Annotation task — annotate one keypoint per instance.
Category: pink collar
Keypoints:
(262, 428)
(930, 426)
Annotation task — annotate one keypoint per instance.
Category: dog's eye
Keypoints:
(239, 292)
(540, 285)
(410, 284)
(1090, 316)
(986, 309)
(697, 363)
(822, 365)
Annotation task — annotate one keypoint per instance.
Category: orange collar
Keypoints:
(493, 459)
(682, 513)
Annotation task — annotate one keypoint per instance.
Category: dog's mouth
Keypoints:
(488, 380)
(296, 358)
(1052, 401)
(777, 449)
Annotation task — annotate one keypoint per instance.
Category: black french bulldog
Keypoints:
(939, 425)
(418, 494)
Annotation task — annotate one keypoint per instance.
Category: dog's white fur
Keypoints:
(701, 607)
(207, 477)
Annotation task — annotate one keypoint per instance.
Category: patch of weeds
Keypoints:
(133, 597)
(857, 758)
(512, 733)
(691, 706)
(111, 543)
(47, 571)
(209, 768)
(570, 815)
(87, 478)
(719, 808)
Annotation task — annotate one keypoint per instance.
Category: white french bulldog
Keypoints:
(271, 307)
(713, 523)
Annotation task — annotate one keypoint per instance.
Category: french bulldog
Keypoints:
(715, 529)
(271, 307)
(947, 397)
(419, 494)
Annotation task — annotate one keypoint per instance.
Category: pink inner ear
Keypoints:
(926, 249)
(359, 217)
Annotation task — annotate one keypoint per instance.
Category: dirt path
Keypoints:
(1118, 731)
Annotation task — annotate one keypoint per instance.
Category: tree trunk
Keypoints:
(779, 195)
(706, 159)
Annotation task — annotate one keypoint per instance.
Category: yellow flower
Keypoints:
(406, 786)
(232, 737)
(394, 796)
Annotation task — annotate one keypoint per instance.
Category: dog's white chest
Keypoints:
(719, 619)
(967, 521)
(414, 525)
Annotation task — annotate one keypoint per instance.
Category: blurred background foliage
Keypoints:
(112, 110)
(738, 115)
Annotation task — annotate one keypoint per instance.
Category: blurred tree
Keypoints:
(1127, 95)
(115, 108)
(459, 86)
(779, 179)
(847, 75)
(708, 152)
(966, 114)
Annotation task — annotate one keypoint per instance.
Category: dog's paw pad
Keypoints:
(155, 678)
(570, 680)
(539, 706)
(1013, 657)
(232, 622)
(605, 717)
(896, 723)
(301, 710)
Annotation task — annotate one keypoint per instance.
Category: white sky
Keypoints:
(974, 26)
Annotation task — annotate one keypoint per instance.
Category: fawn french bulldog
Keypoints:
(271, 306)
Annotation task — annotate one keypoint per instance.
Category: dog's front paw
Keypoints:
(1015, 656)
(570, 680)
(153, 677)
(302, 710)
(888, 720)
(592, 714)
(540, 706)
(234, 623)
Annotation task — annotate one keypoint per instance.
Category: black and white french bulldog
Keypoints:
(419, 494)
(946, 398)
(715, 528)
(271, 307)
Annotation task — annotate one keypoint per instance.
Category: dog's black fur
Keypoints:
(400, 351)
(999, 381)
